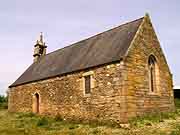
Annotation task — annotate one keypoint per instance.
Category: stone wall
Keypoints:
(64, 95)
(139, 97)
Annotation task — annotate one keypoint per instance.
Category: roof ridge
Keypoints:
(95, 35)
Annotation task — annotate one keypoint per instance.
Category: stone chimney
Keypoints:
(39, 48)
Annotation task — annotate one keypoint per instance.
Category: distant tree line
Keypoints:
(3, 98)
(3, 102)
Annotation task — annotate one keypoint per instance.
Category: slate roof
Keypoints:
(100, 49)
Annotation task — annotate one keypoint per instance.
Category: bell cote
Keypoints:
(39, 48)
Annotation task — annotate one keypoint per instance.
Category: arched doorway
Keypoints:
(36, 103)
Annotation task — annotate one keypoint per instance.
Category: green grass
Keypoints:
(149, 119)
(153, 118)
(30, 124)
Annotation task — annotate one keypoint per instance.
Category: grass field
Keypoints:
(29, 124)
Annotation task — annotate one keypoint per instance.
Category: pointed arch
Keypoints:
(153, 73)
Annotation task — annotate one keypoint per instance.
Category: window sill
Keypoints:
(153, 94)
(87, 95)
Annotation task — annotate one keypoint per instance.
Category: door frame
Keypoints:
(36, 103)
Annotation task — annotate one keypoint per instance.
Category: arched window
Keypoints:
(152, 65)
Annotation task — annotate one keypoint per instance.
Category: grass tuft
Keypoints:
(176, 130)
(42, 122)
(58, 118)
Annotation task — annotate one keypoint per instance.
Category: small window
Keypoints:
(87, 84)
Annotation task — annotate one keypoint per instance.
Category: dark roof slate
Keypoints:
(103, 48)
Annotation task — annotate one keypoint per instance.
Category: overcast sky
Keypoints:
(67, 21)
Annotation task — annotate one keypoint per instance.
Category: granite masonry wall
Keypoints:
(64, 95)
(140, 99)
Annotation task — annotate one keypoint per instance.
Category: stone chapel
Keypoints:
(115, 75)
